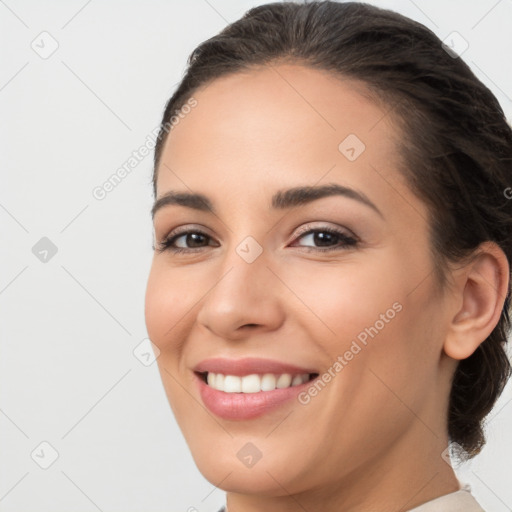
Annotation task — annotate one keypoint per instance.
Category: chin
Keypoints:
(229, 466)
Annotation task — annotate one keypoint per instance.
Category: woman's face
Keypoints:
(353, 301)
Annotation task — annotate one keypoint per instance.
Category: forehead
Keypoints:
(275, 106)
(275, 126)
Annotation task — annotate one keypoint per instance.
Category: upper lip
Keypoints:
(248, 366)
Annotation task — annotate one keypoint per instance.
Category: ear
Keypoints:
(481, 287)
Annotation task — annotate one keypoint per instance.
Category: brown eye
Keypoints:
(328, 238)
(188, 241)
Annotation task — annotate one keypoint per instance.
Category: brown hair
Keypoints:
(456, 146)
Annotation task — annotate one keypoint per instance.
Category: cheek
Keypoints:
(397, 367)
(157, 306)
(167, 302)
(370, 310)
(168, 299)
(345, 298)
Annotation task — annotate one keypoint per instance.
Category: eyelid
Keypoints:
(185, 228)
(322, 225)
(348, 241)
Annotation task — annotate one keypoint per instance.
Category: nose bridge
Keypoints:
(244, 292)
(246, 256)
(244, 272)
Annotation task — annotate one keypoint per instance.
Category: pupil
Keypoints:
(193, 238)
(322, 237)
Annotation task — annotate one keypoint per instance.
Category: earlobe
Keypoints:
(482, 285)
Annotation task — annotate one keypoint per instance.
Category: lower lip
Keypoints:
(245, 406)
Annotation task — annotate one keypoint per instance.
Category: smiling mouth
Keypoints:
(254, 383)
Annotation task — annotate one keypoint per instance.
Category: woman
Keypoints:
(331, 278)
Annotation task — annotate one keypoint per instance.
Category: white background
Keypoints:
(68, 375)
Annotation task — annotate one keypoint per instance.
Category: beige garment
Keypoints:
(458, 501)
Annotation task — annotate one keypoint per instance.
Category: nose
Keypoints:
(246, 298)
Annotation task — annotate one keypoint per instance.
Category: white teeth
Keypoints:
(284, 381)
(297, 380)
(219, 381)
(232, 384)
(268, 382)
(253, 383)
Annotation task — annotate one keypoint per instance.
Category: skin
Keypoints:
(372, 439)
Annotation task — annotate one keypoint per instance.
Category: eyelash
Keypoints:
(347, 241)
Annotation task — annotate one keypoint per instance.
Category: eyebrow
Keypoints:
(281, 200)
